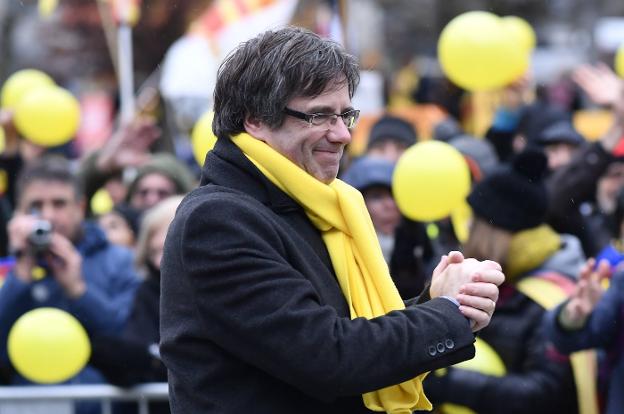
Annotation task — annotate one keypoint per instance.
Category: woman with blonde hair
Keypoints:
(135, 358)
(509, 207)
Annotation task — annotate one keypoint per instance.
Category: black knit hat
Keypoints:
(513, 197)
(392, 128)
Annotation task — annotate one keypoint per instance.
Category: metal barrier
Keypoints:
(17, 399)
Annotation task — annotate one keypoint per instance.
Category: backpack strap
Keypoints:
(549, 289)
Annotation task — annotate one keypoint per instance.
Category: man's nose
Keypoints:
(339, 133)
(46, 212)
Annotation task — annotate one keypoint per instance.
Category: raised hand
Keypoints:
(599, 82)
(129, 145)
(66, 264)
(586, 295)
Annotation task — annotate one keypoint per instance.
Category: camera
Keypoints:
(40, 236)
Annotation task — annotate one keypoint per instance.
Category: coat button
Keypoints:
(440, 347)
(449, 344)
(432, 350)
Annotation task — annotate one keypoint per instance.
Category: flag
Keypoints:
(227, 23)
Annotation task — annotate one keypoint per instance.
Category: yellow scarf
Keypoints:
(530, 248)
(339, 212)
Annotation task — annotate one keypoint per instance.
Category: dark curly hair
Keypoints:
(262, 75)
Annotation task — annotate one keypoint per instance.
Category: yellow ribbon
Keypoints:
(339, 212)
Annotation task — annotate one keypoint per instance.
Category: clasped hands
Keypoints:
(473, 283)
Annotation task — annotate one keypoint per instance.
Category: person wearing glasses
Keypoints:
(275, 297)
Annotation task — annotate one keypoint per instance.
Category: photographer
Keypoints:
(62, 261)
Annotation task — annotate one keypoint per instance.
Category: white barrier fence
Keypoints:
(59, 399)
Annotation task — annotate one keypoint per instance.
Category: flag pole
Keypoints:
(125, 72)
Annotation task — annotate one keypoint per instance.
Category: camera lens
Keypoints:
(40, 236)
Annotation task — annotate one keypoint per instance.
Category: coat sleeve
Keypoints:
(543, 386)
(105, 309)
(252, 302)
(601, 328)
(15, 300)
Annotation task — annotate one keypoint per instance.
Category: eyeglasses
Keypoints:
(349, 117)
(161, 193)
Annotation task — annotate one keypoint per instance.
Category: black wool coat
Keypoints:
(253, 319)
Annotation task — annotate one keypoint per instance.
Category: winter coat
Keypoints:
(603, 329)
(253, 319)
(535, 382)
(103, 309)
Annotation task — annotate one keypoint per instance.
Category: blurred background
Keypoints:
(76, 42)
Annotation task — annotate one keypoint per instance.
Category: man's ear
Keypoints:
(255, 128)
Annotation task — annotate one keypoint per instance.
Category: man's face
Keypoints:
(388, 149)
(382, 208)
(55, 202)
(316, 149)
(559, 155)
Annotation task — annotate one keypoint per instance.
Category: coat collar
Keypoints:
(227, 166)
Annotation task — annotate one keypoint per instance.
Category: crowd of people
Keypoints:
(265, 283)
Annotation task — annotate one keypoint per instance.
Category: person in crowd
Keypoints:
(275, 294)
(161, 177)
(593, 318)
(121, 225)
(581, 172)
(111, 166)
(134, 357)
(478, 153)
(390, 136)
(519, 120)
(509, 208)
(482, 160)
(63, 261)
(613, 252)
(560, 142)
(154, 176)
(404, 243)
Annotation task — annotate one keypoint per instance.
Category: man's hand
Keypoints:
(129, 145)
(604, 87)
(11, 137)
(66, 264)
(478, 298)
(473, 283)
(586, 295)
(18, 229)
(599, 82)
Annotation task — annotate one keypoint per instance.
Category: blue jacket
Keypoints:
(603, 329)
(111, 281)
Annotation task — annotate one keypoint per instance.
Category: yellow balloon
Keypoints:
(486, 361)
(101, 202)
(461, 218)
(619, 61)
(47, 116)
(430, 179)
(47, 7)
(2, 140)
(21, 82)
(521, 32)
(48, 345)
(477, 53)
(202, 137)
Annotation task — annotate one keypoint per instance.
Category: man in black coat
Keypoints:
(253, 314)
